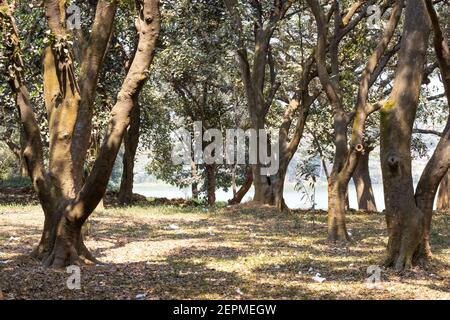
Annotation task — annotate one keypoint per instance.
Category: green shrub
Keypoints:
(9, 166)
(15, 182)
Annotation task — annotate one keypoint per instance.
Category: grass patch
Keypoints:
(167, 252)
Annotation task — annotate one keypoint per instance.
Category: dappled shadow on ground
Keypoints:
(235, 253)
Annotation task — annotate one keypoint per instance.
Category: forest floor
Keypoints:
(240, 252)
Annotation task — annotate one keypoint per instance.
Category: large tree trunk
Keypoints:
(363, 184)
(130, 142)
(338, 184)
(62, 243)
(405, 220)
(443, 199)
(263, 191)
(436, 168)
(211, 183)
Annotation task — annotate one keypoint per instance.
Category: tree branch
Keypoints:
(148, 24)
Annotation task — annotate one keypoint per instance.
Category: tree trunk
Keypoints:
(337, 191)
(17, 151)
(261, 183)
(62, 243)
(300, 104)
(277, 182)
(278, 190)
(338, 183)
(211, 183)
(130, 142)
(438, 166)
(443, 199)
(405, 221)
(263, 191)
(240, 194)
(194, 185)
(363, 184)
(66, 199)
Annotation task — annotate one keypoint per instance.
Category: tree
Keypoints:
(198, 88)
(66, 197)
(443, 200)
(130, 144)
(259, 92)
(436, 168)
(363, 183)
(404, 218)
(346, 156)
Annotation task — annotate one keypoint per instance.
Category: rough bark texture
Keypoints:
(66, 199)
(363, 184)
(443, 200)
(211, 183)
(130, 143)
(404, 218)
(194, 185)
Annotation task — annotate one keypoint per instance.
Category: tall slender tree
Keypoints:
(346, 155)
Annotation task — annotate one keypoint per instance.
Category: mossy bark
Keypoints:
(405, 220)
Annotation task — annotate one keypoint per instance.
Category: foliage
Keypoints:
(8, 163)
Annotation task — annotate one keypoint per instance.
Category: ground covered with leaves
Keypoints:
(240, 252)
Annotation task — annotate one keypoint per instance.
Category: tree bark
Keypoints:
(438, 166)
(240, 194)
(278, 188)
(194, 185)
(130, 142)
(405, 220)
(443, 200)
(211, 183)
(363, 184)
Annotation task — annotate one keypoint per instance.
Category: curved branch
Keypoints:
(32, 142)
(148, 25)
(90, 69)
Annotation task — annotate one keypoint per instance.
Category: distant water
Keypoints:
(294, 199)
